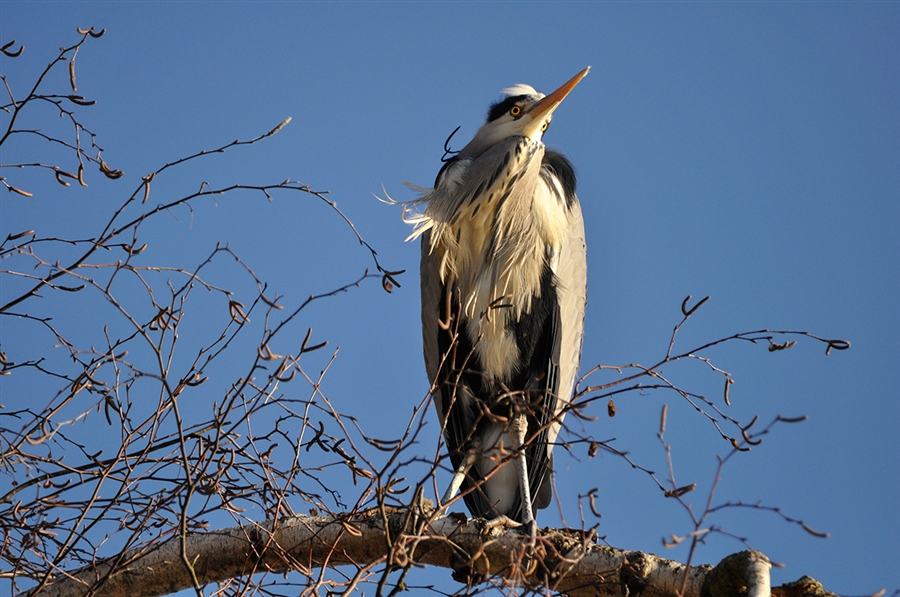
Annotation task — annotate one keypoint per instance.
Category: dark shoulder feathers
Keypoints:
(500, 108)
(559, 165)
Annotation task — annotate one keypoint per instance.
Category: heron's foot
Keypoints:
(505, 523)
(502, 522)
(532, 548)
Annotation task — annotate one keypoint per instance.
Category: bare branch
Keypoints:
(569, 565)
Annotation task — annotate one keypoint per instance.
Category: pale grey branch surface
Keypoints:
(563, 560)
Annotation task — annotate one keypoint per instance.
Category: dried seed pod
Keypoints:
(80, 101)
(20, 234)
(12, 54)
(19, 191)
(72, 74)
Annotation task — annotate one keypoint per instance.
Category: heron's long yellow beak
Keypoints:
(546, 106)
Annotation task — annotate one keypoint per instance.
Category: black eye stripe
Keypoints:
(502, 107)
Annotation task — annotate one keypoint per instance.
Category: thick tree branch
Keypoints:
(563, 560)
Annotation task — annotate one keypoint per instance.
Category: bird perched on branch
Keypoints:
(503, 275)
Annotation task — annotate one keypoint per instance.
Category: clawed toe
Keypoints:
(501, 522)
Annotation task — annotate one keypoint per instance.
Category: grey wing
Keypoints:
(432, 295)
(565, 332)
(571, 275)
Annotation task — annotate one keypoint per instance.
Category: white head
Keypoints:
(523, 112)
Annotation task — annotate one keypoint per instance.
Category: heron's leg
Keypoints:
(520, 432)
(459, 475)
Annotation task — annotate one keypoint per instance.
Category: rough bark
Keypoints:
(565, 561)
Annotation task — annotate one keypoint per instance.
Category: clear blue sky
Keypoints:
(748, 151)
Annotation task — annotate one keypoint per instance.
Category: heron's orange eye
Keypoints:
(545, 126)
(515, 111)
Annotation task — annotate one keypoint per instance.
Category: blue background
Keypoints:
(747, 151)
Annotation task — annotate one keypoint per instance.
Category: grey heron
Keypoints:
(503, 281)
